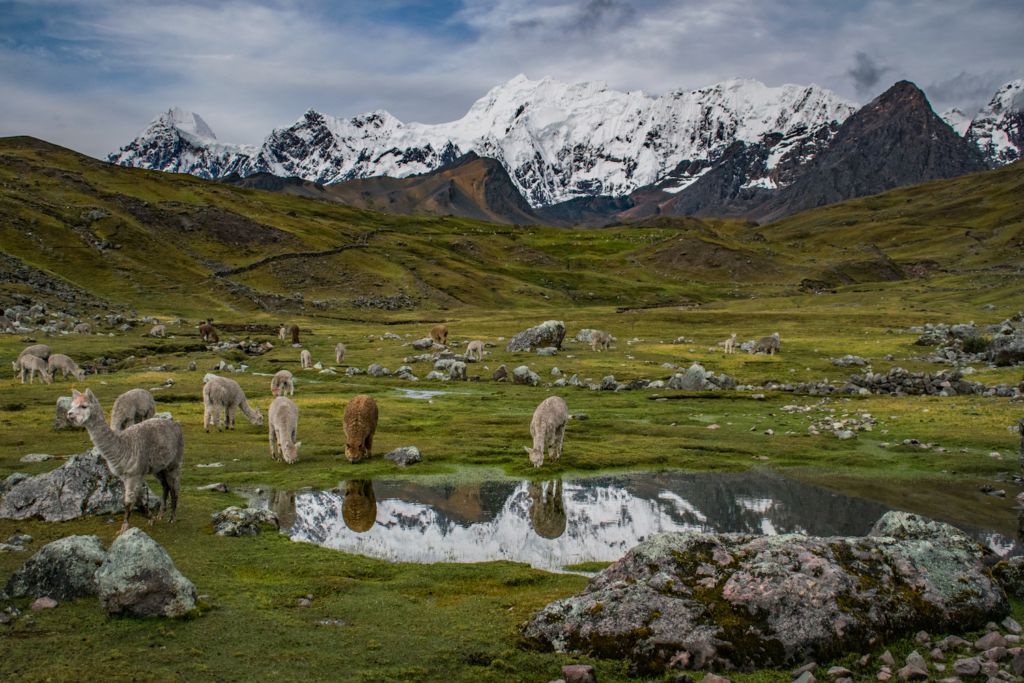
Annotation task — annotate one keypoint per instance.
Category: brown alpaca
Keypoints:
(295, 334)
(207, 333)
(439, 333)
(360, 423)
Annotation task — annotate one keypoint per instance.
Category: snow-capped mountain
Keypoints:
(957, 120)
(998, 129)
(557, 141)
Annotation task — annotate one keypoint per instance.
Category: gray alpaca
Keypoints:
(154, 447)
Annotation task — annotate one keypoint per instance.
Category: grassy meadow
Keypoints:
(928, 254)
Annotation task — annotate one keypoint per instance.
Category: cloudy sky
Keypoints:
(91, 74)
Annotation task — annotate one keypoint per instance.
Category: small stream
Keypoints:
(554, 524)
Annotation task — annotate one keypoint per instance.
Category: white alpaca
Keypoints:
(548, 430)
(224, 396)
(282, 384)
(38, 350)
(158, 331)
(34, 364)
(600, 339)
(283, 417)
(82, 328)
(132, 407)
(730, 344)
(476, 348)
(281, 332)
(339, 353)
(306, 359)
(154, 447)
(59, 361)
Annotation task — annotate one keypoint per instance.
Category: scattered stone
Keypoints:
(61, 421)
(405, 456)
(579, 416)
(219, 487)
(457, 371)
(524, 375)
(713, 678)
(911, 673)
(20, 539)
(915, 660)
(990, 640)
(578, 673)
(994, 654)
(62, 570)
(847, 361)
(501, 374)
(888, 659)
(547, 351)
(922, 637)
(305, 602)
(555, 372)
(37, 457)
(967, 667)
(236, 521)
(1018, 664)
(799, 671)
(139, 577)
(1011, 625)
(42, 603)
(549, 333)
(716, 427)
(806, 677)
(937, 655)
(950, 641)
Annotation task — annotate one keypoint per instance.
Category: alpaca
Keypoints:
(208, 333)
(339, 353)
(439, 333)
(602, 339)
(281, 332)
(59, 361)
(295, 334)
(5, 323)
(154, 447)
(547, 508)
(730, 344)
(223, 395)
(475, 348)
(359, 509)
(360, 424)
(282, 384)
(283, 418)
(306, 359)
(82, 328)
(34, 364)
(131, 407)
(548, 430)
(767, 345)
(158, 331)
(38, 350)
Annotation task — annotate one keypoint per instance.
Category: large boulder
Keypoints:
(524, 375)
(500, 375)
(138, 577)
(1007, 349)
(236, 521)
(457, 370)
(423, 344)
(695, 379)
(62, 570)
(697, 600)
(586, 336)
(550, 333)
(405, 456)
(847, 361)
(84, 485)
(60, 420)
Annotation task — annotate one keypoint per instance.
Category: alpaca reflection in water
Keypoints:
(547, 509)
(359, 509)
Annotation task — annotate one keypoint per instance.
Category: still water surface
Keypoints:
(553, 524)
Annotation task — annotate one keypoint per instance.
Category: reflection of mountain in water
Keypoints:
(553, 524)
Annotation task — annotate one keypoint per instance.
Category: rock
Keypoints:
(458, 371)
(353, 371)
(219, 487)
(236, 521)
(574, 381)
(916, 660)
(139, 577)
(846, 434)
(586, 336)
(990, 640)
(950, 641)
(994, 654)
(547, 351)
(579, 416)
(61, 421)
(62, 570)
(967, 667)
(714, 678)
(20, 539)
(549, 333)
(423, 344)
(578, 673)
(376, 370)
(555, 372)
(405, 456)
(320, 366)
(1018, 664)
(806, 677)
(838, 671)
(681, 678)
(887, 658)
(797, 672)
(523, 375)
(652, 596)
(42, 603)
(84, 485)
(911, 673)
(560, 382)
(937, 655)
(1011, 625)
(500, 375)
(36, 457)
(434, 374)
(922, 637)
(847, 361)
(192, 366)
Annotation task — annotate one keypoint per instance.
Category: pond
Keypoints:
(554, 524)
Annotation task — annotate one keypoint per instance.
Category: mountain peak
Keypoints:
(187, 122)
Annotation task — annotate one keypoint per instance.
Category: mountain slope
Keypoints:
(998, 129)
(557, 141)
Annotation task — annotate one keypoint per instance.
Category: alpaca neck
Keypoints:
(249, 413)
(106, 439)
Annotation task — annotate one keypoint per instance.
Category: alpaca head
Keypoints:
(259, 418)
(291, 452)
(79, 375)
(81, 406)
(536, 455)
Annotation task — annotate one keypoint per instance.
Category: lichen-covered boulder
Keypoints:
(586, 336)
(62, 570)
(139, 577)
(547, 351)
(608, 383)
(550, 333)
(1010, 575)
(84, 485)
(524, 375)
(695, 600)
(574, 381)
(405, 456)
(695, 379)
(457, 370)
(847, 361)
(423, 344)
(500, 375)
(376, 370)
(60, 420)
(236, 521)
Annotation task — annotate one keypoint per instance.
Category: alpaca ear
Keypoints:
(527, 449)
(298, 443)
(75, 393)
(88, 392)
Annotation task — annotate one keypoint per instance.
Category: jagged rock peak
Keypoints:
(998, 129)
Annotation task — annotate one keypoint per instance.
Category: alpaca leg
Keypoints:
(272, 453)
(130, 495)
(173, 475)
(207, 418)
(166, 489)
(231, 416)
(369, 446)
(559, 437)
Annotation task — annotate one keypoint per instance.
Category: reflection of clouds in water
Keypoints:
(767, 529)
(1000, 545)
(683, 507)
(760, 505)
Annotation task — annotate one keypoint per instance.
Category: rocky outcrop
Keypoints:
(236, 521)
(524, 375)
(139, 577)
(62, 570)
(84, 485)
(549, 333)
(60, 420)
(695, 600)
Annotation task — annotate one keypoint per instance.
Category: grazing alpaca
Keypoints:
(59, 361)
(223, 395)
(82, 328)
(39, 351)
(6, 324)
(207, 333)
(282, 332)
(339, 353)
(154, 447)
(730, 344)
(548, 430)
(602, 339)
(439, 333)
(360, 424)
(34, 364)
(306, 359)
(475, 348)
(295, 334)
(359, 509)
(132, 407)
(158, 331)
(282, 384)
(283, 418)
(767, 345)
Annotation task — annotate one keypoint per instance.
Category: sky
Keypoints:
(91, 74)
